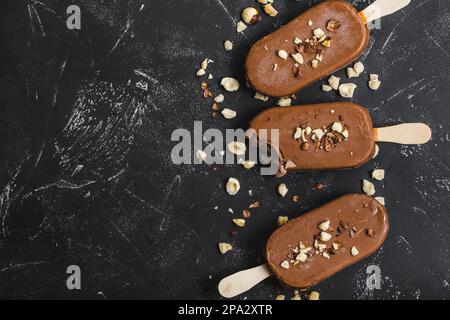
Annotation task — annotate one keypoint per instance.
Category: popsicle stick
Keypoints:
(243, 281)
(406, 133)
(381, 8)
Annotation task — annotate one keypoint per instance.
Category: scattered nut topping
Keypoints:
(368, 188)
(319, 186)
(250, 15)
(201, 155)
(314, 295)
(254, 205)
(381, 200)
(371, 233)
(351, 73)
(239, 222)
(237, 148)
(326, 88)
(337, 245)
(240, 26)
(377, 149)
(228, 45)
(347, 90)
(378, 174)
(206, 92)
(318, 33)
(204, 64)
(324, 226)
(210, 76)
(246, 213)
(354, 251)
(260, 96)
(220, 98)
(296, 198)
(374, 83)
(304, 146)
(230, 84)
(333, 25)
(274, 67)
(285, 264)
(296, 296)
(233, 186)
(327, 42)
(315, 63)
(282, 189)
(282, 54)
(284, 102)
(345, 134)
(317, 134)
(358, 67)
(282, 220)
(310, 23)
(270, 10)
(200, 72)
(298, 133)
(228, 113)
(334, 81)
(297, 58)
(280, 297)
(224, 247)
(247, 164)
(297, 40)
(337, 126)
(325, 236)
(325, 255)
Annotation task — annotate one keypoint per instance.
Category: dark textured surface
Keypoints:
(85, 170)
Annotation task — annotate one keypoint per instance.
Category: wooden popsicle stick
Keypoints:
(243, 281)
(381, 8)
(406, 133)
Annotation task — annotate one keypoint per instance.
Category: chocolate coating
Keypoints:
(348, 43)
(353, 210)
(354, 152)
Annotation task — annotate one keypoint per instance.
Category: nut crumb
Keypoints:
(282, 189)
(233, 186)
(378, 174)
(280, 297)
(224, 247)
(228, 113)
(381, 200)
(347, 90)
(239, 222)
(237, 148)
(314, 295)
(284, 102)
(250, 15)
(282, 220)
(230, 84)
(241, 26)
(368, 187)
(260, 96)
(354, 251)
(324, 226)
(270, 10)
(228, 45)
(285, 264)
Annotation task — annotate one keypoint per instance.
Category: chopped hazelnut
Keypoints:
(230, 84)
(351, 73)
(233, 186)
(240, 26)
(260, 96)
(282, 54)
(368, 187)
(347, 90)
(282, 189)
(314, 295)
(200, 72)
(220, 98)
(284, 102)
(318, 33)
(333, 25)
(282, 220)
(297, 58)
(337, 126)
(237, 148)
(378, 174)
(280, 297)
(381, 200)
(325, 236)
(270, 10)
(239, 222)
(315, 63)
(250, 15)
(326, 88)
(354, 251)
(201, 155)
(324, 226)
(224, 247)
(297, 40)
(333, 81)
(285, 264)
(228, 45)
(228, 113)
(358, 67)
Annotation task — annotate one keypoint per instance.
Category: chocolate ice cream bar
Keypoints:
(318, 244)
(330, 135)
(320, 41)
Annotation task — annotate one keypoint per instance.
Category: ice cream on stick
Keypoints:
(331, 135)
(320, 41)
(318, 244)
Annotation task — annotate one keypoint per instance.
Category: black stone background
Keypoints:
(142, 227)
